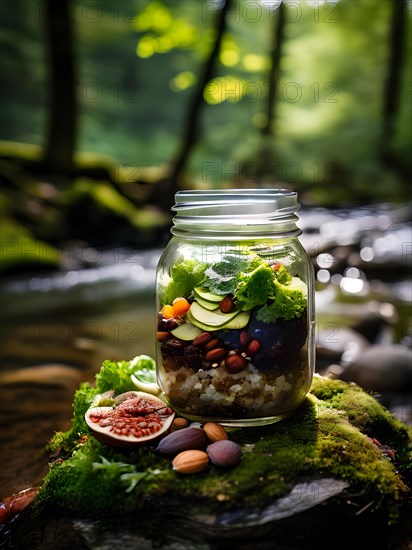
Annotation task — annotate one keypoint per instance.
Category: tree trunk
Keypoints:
(392, 92)
(62, 111)
(266, 172)
(163, 194)
(274, 71)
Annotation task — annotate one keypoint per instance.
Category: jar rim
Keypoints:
(280, 197)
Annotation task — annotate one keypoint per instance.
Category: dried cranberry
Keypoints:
(166, 325)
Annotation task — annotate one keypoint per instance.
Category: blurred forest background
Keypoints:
(109, 107)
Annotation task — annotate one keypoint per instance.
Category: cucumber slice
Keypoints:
(205, 303)
(206, 295)
(211, 319)
(240, 321)
(186, 331)
(204, 328)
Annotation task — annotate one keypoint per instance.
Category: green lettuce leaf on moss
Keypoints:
(115, 374)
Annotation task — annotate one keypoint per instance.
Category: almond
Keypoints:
(224, 453)
(235, 363)
(212, 343)
(226, 305)
(190, 462)
(253, 347)
(202, 339)
(244, 339)
(215, 354)
(215, 431)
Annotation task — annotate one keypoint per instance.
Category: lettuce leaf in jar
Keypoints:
(289, 302)
(256, 287)
(185, 275)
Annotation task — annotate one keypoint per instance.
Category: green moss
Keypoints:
(20, 249)
(76, 485)
(330, 435)
(364, 412)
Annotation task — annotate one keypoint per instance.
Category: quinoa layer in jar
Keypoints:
(232, 335)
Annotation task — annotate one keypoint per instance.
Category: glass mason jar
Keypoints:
(235, 302)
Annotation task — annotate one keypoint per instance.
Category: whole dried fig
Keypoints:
(224, 453)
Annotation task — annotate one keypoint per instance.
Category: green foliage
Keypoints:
(283, 276)
(288, 303)
(247, 277)
(222, 277)
(144, 368)
(333, 70)
(185, 275)
(256, 287)
(115, 375)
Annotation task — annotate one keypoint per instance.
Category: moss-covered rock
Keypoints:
(339, 433)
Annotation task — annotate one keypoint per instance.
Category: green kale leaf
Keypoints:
(256, 287)
(288, 303)
(222, 277)
(185, 275)
(283, 276)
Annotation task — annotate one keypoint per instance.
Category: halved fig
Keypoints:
(136, 418)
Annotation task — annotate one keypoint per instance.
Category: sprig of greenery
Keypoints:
(126, 472)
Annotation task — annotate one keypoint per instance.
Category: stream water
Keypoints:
(58, 327)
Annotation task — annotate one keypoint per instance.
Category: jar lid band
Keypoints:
(232, 210)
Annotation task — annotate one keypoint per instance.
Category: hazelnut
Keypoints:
(226, 305)
(179, 423)
(235, 363)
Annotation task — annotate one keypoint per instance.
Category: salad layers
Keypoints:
(232, 337)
